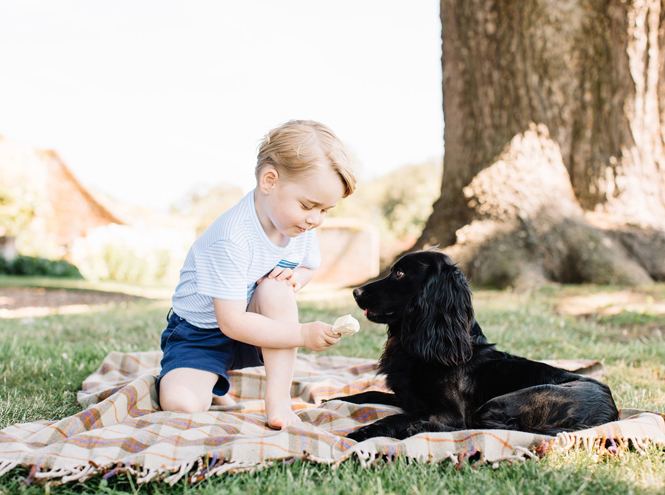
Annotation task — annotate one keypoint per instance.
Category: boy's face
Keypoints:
(296, 206)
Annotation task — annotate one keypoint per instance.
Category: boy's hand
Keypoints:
(318, 336)
(284, 274)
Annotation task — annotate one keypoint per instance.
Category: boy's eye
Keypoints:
(305, 207)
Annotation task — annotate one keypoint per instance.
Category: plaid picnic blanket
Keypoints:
(123, 429)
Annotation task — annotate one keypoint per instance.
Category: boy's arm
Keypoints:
(255, 329)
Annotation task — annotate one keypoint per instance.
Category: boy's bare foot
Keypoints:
(280, 414)
(223, 400)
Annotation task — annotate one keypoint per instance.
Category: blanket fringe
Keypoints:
(640, 446)
(368, 455)
(524, 453)
(601, 445)
(226, 467)
(148, 474)
(185, 468)
(82, 475)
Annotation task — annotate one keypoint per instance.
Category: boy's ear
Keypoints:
(268, 179)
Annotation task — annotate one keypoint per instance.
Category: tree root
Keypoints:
(528, 228)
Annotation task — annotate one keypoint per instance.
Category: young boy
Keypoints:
(238, 283)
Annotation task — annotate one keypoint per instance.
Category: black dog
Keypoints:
(446, 376)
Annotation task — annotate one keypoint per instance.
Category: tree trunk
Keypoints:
(554, 135)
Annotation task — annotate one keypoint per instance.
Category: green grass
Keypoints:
(43, 361)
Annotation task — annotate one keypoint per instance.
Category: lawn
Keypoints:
(44, 359)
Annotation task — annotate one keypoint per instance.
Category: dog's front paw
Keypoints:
(369, 431)
(417, 427)
(359, 435)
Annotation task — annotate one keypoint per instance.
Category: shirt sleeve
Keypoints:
(312, 259)
(221, 271)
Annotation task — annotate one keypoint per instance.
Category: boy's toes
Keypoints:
(283, 420)
(275, 423)
(291, 420)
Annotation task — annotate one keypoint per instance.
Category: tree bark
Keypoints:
(554, 140)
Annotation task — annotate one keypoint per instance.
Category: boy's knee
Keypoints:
(274, 294)
(275, 300)
(183, 401)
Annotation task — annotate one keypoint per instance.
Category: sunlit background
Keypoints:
(147, 100)
(154, 110)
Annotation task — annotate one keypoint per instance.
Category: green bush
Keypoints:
(39, 267)
(17, 208)
(125, 253)
(398, 203)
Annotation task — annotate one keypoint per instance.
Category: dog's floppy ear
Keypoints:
(437, 321)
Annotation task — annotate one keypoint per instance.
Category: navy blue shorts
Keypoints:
(208, 349)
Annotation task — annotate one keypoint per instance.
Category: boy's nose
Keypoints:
(313, 219)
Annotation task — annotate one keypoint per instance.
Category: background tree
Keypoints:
(398, 203)
(204, 203)
(17, 209)
(554, 138)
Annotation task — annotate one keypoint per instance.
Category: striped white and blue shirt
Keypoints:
(229, 257)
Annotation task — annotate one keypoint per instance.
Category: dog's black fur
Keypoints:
(446, 376)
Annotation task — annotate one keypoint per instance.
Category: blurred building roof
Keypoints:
(66, 209)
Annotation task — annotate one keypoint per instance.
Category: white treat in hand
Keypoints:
(346, 325)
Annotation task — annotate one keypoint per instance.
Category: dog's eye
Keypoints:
(399, 274)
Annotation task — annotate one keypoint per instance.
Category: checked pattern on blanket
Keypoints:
(123, 429)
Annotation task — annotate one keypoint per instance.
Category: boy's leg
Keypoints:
(186, 390)
(277, 301)
(279, 375)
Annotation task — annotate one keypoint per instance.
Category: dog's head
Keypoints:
(431, 298)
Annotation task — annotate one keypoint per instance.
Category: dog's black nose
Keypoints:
(357, 292)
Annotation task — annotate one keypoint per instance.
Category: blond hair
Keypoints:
(300, 146)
